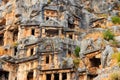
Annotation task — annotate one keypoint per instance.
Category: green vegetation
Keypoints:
(116, 20)
(102, 15)
(49, 1)
(117, 57)
(89, 10)
(115, 43)
(115, 76)
(64, 62)
(108, 35)
(15, 44)
(76, 62)
(77, 50)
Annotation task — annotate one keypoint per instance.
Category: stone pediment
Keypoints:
(52, 22)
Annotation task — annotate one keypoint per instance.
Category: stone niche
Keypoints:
(26, 31)
(50, 14)
(1, 40)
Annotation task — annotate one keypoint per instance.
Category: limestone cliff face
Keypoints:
(38, 39)
(32, 10)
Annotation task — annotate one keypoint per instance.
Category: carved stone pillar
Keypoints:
(85, 77)
(60, 32)
(60, 76)
(44, 76)
(35, 75)
(68, 76)
(43, 33)
(52, 77)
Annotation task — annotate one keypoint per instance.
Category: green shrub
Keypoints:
(115, 76)
(77, 50)
(116, 20)
(89, 9)
(116, 56)
(49, 1)
(76, 62)
(108, 35)
(115, 43)
(15, 44)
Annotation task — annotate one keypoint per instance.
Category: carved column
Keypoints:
(68, 76)
(44, 77)
(43, 32)
(52, 77)
(12, 76)
(60, 32)
(40, 77)
(85, 77)
(73, 36)
(35, 75)
(60, 76)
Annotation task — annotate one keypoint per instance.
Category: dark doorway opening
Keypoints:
(31, 52)
(95, 62)
(47, 18)
(15, 35)
(30, 76)
(15, 51)
(91, 77)
(33, 32)
(69, 52)
(71, 26)
(48, 76)
(4, 75)
(47, 59)
(64, 76)
(70, 36)
(1, 40)
(56, 76)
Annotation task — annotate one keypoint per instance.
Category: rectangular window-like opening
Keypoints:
(15, 35)
(31, 51)
(51, 32)
(33, 32)
(1, 40)
(30, 76)
(64, 76)
(4, 75)
(70, 36)
(56, 76)
(15, 51)
(47, 18)
(91, 77)
(69, 52)
(71, 26)
(47, 59)
(48, 77)
(95, 62)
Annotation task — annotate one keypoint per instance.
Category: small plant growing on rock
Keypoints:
(116, 56)
(115, 43)
(116, 20)
(108, 35)
(15, 44)
(77, 50)
(49, 1)
(115, 76)
(76, 61)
